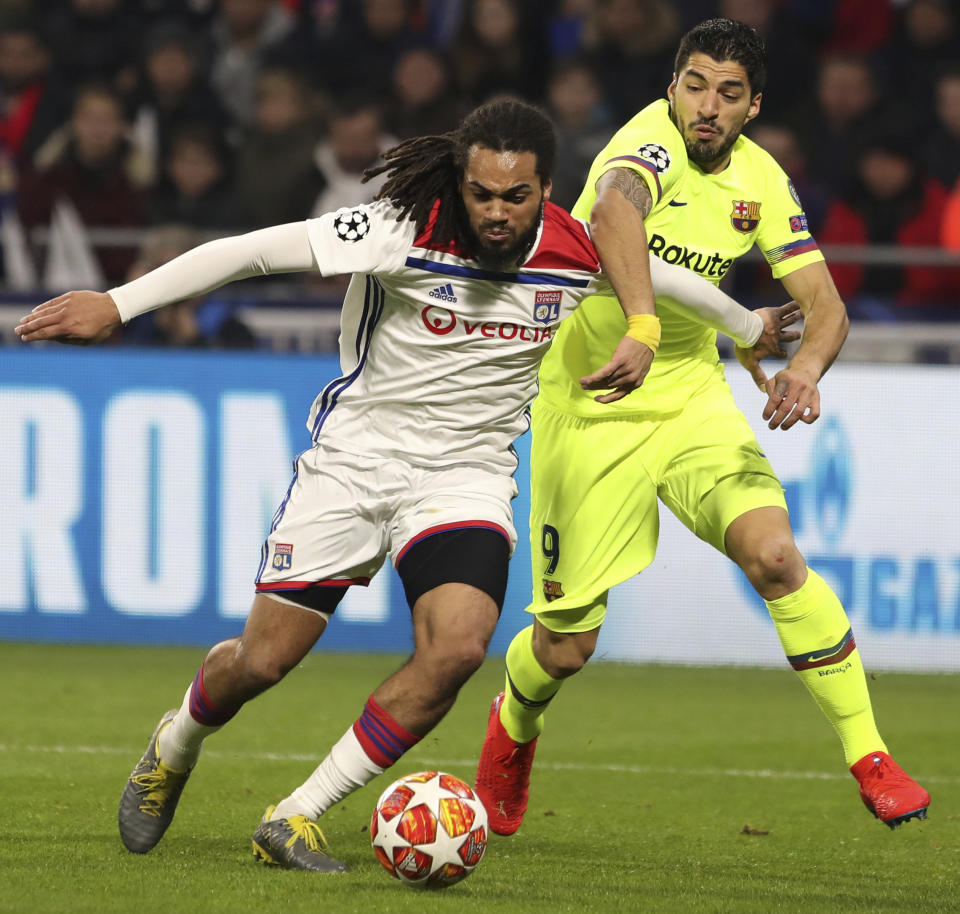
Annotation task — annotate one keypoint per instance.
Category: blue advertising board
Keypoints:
(136, 488)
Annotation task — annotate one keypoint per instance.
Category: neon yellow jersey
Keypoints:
(701, 221)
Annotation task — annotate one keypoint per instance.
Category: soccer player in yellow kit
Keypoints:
(681, 179)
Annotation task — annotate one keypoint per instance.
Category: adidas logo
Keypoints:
(444, 293)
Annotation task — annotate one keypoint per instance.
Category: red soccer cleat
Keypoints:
(503, 774)
(888, 791)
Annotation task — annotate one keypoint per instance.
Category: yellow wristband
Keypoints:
(644, 328)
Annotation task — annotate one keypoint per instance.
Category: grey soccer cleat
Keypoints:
(295, 843)
(150, 798)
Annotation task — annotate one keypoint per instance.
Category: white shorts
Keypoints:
(344, 514)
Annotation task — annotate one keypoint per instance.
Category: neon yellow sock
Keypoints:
(818, 641)
(528, 690)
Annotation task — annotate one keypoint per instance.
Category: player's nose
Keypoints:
(709, 105)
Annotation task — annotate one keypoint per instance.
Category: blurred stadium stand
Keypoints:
(234, 115)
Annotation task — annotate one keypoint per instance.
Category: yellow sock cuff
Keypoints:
(527, 691)
(813, 627)
(644, 328)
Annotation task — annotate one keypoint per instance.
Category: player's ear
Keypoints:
(754, 108)
(546, 187)
(672, 88)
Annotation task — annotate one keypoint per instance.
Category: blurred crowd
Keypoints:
(185, 118)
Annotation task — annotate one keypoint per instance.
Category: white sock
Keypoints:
(346, 768)
(178, 744)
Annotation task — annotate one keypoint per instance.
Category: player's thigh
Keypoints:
(453, 624)
(593, 514)
(329, 531)
(454, 525)
(717, 471)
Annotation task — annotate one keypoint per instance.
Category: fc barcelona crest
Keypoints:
(745, 216)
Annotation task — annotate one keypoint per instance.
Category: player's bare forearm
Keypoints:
(74, 317)
(792, 394)
(618, 233)
(825, 319)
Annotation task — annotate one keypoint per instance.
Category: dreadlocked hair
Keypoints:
(424, 169)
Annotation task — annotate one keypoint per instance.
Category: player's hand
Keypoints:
(74, 317)
(792, 396)
(774, 335)
(624, 372)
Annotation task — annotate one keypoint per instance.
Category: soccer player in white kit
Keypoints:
(462, 272)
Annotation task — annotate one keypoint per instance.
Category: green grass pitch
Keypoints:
(656, 789)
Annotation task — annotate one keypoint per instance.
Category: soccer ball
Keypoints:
(429, 829)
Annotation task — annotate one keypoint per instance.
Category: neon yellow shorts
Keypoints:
(595, 483)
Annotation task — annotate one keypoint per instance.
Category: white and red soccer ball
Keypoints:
(429, 829)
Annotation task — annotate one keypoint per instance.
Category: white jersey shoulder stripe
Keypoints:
(529, 279)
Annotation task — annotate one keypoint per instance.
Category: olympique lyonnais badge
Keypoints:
(547, 306)
(745, 216)
(282, 555)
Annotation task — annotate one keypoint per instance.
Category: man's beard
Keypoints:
(502, 259)
(702, 152)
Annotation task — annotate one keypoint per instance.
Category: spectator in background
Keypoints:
(244, 33)
(423, 101)
(361, 54)
(583, 122)
(942, 150)
(500, 49)
(173, 90)
(91, 164)
(96, 41)
(926, 41)
(195, 188)
(782, 142)
(855, 27)
(892, 203)
(568, 27)
(276, 179)
(356, 140)
(793, 72)
(634, 55)
(833, 127)
(31, 108)
(195, 323)
(950, 229)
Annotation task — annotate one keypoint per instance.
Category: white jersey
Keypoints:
(439, 357)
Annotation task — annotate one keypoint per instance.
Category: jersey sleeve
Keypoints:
(783, 235)
(651, 146)
(360, 239)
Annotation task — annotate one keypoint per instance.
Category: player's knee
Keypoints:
(455, 662)
(774, 564)
(564, 658)
(260, 669)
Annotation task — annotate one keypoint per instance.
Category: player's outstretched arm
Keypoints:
(618, 233)
(792, 394)
(90, 317)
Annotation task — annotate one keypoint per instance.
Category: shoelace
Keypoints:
(313, 838)
(155, 787)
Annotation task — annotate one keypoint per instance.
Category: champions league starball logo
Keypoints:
(656, 155)
(351, 225)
